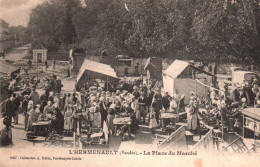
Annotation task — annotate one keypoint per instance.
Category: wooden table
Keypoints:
(123, 121)
(170, 116)
(38, 124)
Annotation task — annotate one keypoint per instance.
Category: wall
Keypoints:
(44, 55)
(77, 62)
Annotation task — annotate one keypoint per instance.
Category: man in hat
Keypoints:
(235, 97)
(166, 101)
(16, 102)
(181, 104)
(157, 103)
(59, 85)
(142, 106)
(9, 106)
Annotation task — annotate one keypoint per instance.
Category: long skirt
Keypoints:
(68, 123)
(192, 122)
(6, 136)
(134, 124)
(91, 116)
(26, 121)
(153, 123)
(97, 119)
(138, 115)
(110, 124)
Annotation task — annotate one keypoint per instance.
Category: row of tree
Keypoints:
(18, 33)
(192, 29)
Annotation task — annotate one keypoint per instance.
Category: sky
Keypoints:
(16, 12)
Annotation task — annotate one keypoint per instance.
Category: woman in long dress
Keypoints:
(58, 120)
(96, 116)
(30, 106)
(192, 117)
(103, 110)
(91, 113)
(68, 101)
(110, 117)
(153, 123)
(68, 120)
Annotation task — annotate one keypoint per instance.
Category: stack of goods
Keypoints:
(210, 118)
(54, 138)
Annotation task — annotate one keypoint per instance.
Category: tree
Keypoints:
(51, 23)
(227, 27)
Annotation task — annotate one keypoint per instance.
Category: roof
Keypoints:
(39, 45)
(245, 72)
(7, 68)
(153, 61)
(96, 70)
(176, 68)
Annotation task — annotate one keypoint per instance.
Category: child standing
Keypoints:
(153, 123)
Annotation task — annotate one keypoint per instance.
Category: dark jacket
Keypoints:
(9, 107)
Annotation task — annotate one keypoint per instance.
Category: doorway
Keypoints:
(39, 57)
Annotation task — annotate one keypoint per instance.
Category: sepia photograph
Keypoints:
(130, 83)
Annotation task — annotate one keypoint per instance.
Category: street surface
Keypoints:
(18, 53)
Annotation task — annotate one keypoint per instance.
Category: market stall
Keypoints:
(94, 70)
(170, 117)
(251, 123)
(181, 78)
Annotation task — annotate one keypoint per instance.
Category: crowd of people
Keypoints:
(65, 109)
(142, 102)
(225, 104)
(95, 107)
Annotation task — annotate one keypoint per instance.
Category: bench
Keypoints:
(66, 140)
(189, 137)
(37, 140)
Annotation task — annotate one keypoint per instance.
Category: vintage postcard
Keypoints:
(130, 83)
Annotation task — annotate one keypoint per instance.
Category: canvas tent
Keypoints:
(7, 68)
(94, 70)
(182, 78)
(153, 67)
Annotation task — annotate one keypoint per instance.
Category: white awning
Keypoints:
(92, 69)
